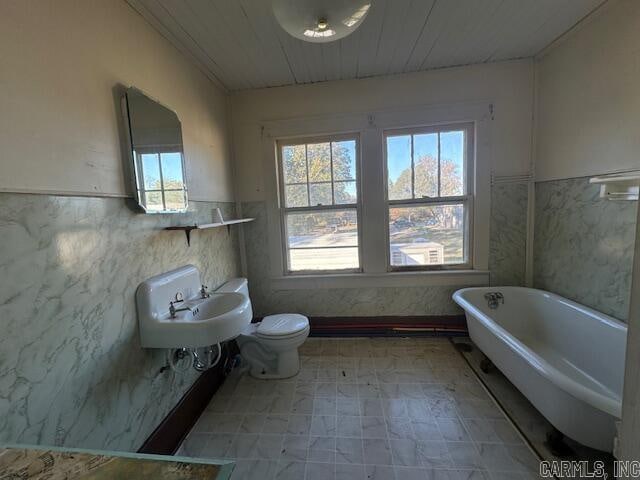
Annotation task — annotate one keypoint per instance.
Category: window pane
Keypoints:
(451, 163)
(427, 235)
(174, 199)
(172, 170)
(294, 164)
(345, 192)
(344, 160)
(399, 167)
(324, 259)
(319, 158)
(296, 196)
(320, 194)
(425, 158)
(151, 171)
(154, 201)
(323, 240)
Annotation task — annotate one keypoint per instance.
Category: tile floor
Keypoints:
(530, 421)
(364, 408)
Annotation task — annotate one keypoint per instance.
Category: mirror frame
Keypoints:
(133, 164)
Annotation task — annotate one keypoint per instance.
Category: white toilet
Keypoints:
(271, 346)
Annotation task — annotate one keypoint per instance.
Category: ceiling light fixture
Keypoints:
(320, 21)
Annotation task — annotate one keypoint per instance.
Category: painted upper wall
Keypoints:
(59, 129)
(509, 86)
(588, 101)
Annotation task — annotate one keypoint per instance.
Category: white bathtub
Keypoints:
(567, 359)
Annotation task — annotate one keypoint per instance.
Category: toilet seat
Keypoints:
(282, 325)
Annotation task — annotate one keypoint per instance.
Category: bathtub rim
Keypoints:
(608, 404)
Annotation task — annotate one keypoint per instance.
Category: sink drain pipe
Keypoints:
(181, 360)
(210, 362)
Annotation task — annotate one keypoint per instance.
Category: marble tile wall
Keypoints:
(583, 247)
(508, 238)
(72, 372)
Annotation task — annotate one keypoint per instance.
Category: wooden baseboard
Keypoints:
(169, 435)
(388, 326)
(430, 325)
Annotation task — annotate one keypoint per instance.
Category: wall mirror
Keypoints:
(157, 154)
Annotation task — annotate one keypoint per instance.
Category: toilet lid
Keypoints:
(282, 324)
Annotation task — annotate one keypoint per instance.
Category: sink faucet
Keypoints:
(173, 310)
(494, 299)
(203, 292)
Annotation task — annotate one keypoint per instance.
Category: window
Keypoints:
(319, 198)
(401, 198)
(160, 181)
(428, 197)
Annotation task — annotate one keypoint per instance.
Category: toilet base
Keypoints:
(286, 365)
(268, 364)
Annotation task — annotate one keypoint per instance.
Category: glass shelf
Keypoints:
(187, 229)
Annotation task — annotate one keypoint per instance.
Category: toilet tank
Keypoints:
(237, 285)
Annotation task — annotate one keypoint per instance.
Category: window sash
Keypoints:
(286, 248)
(467, 167)
(319, 208)
(151, 190)
(429, 201)
(467, 231)
(282, 144)
(285, 211)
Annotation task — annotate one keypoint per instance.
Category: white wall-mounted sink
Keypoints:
(207, 321)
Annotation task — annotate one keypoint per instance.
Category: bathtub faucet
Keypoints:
(494, 299)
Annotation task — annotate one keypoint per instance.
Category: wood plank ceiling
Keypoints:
(239, 44)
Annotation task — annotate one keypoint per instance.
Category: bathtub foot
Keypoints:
(486, 365)
(557, 445)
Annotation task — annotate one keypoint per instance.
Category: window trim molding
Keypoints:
(468, 278)
(371, 127)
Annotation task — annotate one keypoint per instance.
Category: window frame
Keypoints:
(284, 210)
(467, 199)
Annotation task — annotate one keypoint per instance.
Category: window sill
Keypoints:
(466, 278)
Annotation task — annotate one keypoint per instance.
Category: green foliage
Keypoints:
(426, 180)
(316, 159)
(426, 185)
(312, 165)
